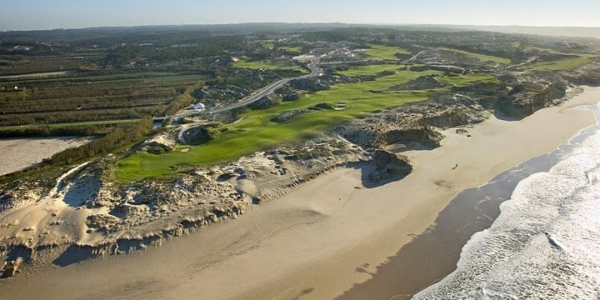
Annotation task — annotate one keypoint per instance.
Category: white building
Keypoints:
(198, 106)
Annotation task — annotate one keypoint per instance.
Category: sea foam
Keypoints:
(546, 242)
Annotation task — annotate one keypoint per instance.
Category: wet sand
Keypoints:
(324, 238)
(433, 254)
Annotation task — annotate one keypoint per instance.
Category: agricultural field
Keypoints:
(90, 98)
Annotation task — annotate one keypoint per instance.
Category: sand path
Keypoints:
(323, 237)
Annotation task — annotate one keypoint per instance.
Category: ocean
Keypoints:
(545, 244)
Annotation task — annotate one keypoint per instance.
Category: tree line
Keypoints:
(46, 130)
(211, 46)
(122, 135)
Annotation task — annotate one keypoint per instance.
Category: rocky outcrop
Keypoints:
(265, 102)
(587, 75)
(525, 103)
(453, 117)
(290, 97)
(288, 115)
(414, 138)
(389, 166)
(196, 135)
(160, 143)
(324, 105)
(427, 82)
(310, 85)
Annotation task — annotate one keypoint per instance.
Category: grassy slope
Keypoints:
(561, 65)
(542, 49)
(481, 57)
(256, 132)
(469, 79)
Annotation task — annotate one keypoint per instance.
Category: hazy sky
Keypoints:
(50, 14)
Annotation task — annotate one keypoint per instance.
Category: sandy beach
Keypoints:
(323, 238)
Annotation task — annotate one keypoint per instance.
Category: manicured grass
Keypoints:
(459, 81)
(469, 79)
(385, 52)
(481, 57)
(268, 45)
(541, 49)
(561, 65)
(244, 63)
(257, 132)
(296, 49)
(371, 70)
(255, 64)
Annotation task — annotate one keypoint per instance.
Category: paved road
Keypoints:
(314, 71)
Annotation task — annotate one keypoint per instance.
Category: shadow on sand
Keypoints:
(367, 168)
(73, 255)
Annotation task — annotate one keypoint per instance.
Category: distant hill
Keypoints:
(246, 28)
(591, 32)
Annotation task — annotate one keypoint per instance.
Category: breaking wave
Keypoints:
(546, 242)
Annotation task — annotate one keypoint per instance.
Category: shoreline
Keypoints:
(439, 188)
(436, 252)
(323, 237)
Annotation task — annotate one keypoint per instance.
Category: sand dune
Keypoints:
(320, 239)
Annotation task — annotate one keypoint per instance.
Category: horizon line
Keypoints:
(306, 23)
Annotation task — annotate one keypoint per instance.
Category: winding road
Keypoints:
(314, 72)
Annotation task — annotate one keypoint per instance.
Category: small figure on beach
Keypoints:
(456, 166)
